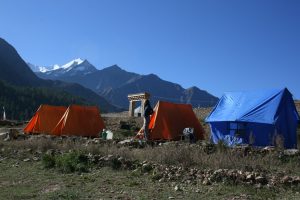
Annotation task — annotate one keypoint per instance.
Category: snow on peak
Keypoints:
(55, 67)
(43, 69)
(75, 67)
(72, 63)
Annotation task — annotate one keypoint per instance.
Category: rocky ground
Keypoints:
(125, 169)
(116, 170)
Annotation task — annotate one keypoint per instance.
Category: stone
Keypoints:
(50, 152)
(108, 157)
(26, 159)
(121, 159)
(146, 167)
(286, 179)
(261, 179)
(250, 177)
(35, 158)
(206, 182)
(171, 197)
(177, 188)
(291, 152)
(3, 135)
(161, 180)
(12, 134)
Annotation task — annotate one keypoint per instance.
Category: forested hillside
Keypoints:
(21, 102)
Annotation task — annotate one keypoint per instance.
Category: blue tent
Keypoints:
(257, 117)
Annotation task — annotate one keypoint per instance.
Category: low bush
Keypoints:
(48, 161)
(68, 162)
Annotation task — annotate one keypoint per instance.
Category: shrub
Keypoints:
(67, 163)
(116, 163)
(48, 161)
(71, 162)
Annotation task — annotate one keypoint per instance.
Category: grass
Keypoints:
(31, 181)
(67, 174)
(167, 154)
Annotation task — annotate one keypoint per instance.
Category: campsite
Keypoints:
(149, 100)
(50, 166)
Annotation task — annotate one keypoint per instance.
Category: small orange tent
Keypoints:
(169, 120)
(80, 121)
(45, 119)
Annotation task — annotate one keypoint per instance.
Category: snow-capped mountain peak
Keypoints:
(72, 63)
(36, 68)
(75, 67)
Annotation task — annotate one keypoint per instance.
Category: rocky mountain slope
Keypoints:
(16, 72)
(115, 84)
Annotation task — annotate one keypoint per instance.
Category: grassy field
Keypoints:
(42, 167)
(29, 180)
(24, 174)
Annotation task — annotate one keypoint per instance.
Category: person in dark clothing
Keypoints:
(147, 112)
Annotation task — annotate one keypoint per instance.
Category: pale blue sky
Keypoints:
(215, 45)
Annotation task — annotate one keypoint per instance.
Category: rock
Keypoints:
(3, 135)
(171, 197)
(286, 179)
(26, 159)
(96, 140)
(124, 142)
(261, 180)
(206, 182)
(250, 177)
(291, 152)
(16, 164)
(296, 180)
(2, 158)
(12, 134)
(121, 159)
(108, 157)
(50, 152)
(269, 148)
(144, 162)
(161, 180)
(146, 167)
(177, 188)
(35, 158)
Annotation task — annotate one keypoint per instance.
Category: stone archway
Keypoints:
(133, 98)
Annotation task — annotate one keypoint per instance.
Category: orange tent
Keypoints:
(80, 121)
(45, 119)
(169, 120)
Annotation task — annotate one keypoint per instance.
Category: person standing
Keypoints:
(147, 112)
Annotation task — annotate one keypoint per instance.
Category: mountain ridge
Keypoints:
(15, 71)
(115, 83)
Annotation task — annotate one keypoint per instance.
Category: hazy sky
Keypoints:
(215, 45)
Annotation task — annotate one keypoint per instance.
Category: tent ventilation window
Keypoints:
(237, 128)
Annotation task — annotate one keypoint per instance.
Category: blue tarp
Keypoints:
(255, 117)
